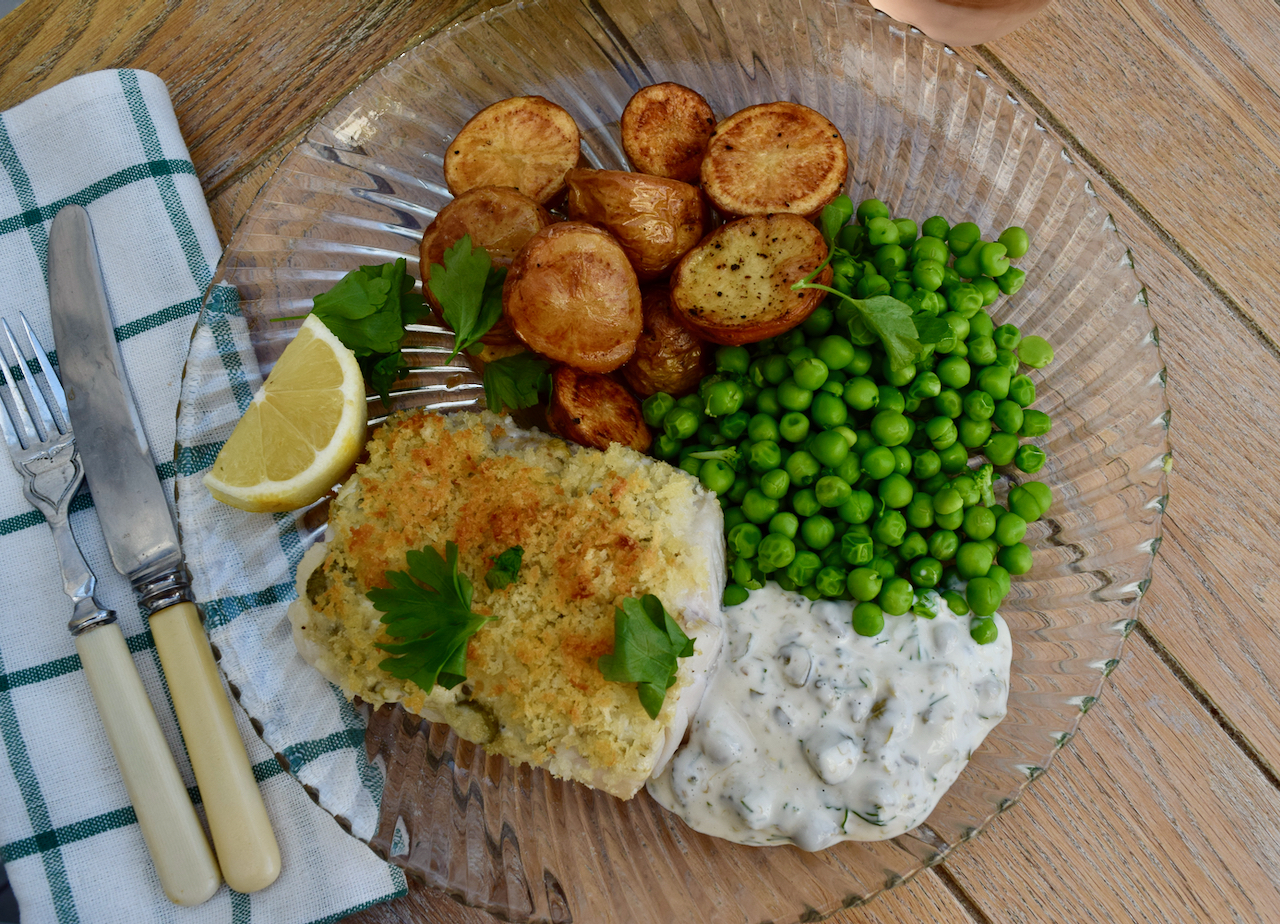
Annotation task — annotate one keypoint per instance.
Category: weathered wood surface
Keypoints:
(1167, 806)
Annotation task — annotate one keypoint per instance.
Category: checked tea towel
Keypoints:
(110, 141)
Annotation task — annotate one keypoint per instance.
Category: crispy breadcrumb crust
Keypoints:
(595, 527)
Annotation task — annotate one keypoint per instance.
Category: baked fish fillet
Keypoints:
(596, 527)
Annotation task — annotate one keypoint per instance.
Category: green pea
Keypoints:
(804, 567)
(943, 544)
(832, 490)
(988, 288)
(868, 619)
(861, 394)
(994, 258)
(927, 275)
(830, 581)
(896, 596)
(737, 492)
(861, 364)
(803, 468)
(972, 434)
(871, 208)
(805, 502)
(954, 372)
(817, 532)
(890, 428)
(858, 507)
(925, 385)
(891, 399)
(935, 226)
(723, 398)
(1010, 529)
(919, 511)
(979, 405)
(775, 369)
(793, 426)
(907, 230)
(1008, 416)
(1001, 448)
(819, 322)
(981, 325)
(948, 403)
(828, 410)
(774, 484)
(979, 522)
(973, 559)
(856, 549)
(1024, 504)
(744, 540)
(965, 300)
(961, 237)
(666, 447)
(1035, 352)
(896, 491)
(786, 523)
(733, 359)
(716, 476)
(878, 462)
(928, 248)
(794, 397)
(835, 351)
(983, 631)
(880, 231)
(1035, 423)
(1007, 336)
(955, 458)
(982, 351)
(1011, 280)
(1029, 459)
(766, 402)
(967, 488)
(913, 546)
(829, 448)
(889, 259)
(890, 528)
(798, 354)
(1016, 558)
(926, 465)
(732, 517)
(941, 432)
(734, 594)
(763, 456)
(1015, 240)
(958, 323)
(734, 427)
(776, 552)
(655, 407)
(1022, 390)
(809, 374)
(994, 380)
(1042, 493)
(968, 266)
(926, 572)
(1007, 359)
(680, 423)
(948, 500)
(691, 465)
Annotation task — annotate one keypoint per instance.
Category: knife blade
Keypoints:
(143, 542)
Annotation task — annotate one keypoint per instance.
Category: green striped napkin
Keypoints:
(109, 141)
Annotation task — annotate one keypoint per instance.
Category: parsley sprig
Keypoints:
(367, 310)
(906, 335)
(646, 648)
(516, 381)
(469, 290)
(506, 568)
(429, 607)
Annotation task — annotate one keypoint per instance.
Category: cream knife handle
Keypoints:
(242, 835)
(179, 849)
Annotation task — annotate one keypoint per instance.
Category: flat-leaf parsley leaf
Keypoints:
(469, 290)
(516, 381)
(429, 607)
(646, 647)
(506, 568)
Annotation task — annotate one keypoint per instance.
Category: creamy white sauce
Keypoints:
(811, 734)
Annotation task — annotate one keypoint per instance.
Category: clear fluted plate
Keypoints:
(927, 133)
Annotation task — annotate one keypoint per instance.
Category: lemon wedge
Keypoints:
(302, 431)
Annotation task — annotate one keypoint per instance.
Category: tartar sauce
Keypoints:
(811, 734)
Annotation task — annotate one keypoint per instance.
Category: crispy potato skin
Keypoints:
(572, 296)
(500, 219)
(774, 157)
(655, 220)
(594, 410)
(665, 130)
(527, 142)
(668, 356)
(735, 287)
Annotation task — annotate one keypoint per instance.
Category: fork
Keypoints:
(43, 449)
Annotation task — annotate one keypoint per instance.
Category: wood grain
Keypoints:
(1151, 815)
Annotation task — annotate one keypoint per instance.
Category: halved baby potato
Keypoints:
(656, 220)
(668, 356)
(572, 296)
(500, 219)
(735, 287)
(527, 142)
(594, 410)
(774, 157)
(665, 130)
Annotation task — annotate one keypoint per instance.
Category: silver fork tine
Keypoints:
(40, 407)
(12, 424)
(50, 378)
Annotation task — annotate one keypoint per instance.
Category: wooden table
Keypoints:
(1167, 806)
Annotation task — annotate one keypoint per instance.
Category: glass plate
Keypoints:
(927, 133)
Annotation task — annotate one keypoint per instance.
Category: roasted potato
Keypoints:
(668, 356)
(594, 410)
(735, 287)
(655, 220)
(526, 142)
(572, 296)
(665, 130)
(500, 219)
(775, 157)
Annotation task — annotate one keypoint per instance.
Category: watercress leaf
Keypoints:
(516, 381)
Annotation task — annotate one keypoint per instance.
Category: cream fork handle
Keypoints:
(238, 821)
(178, 847)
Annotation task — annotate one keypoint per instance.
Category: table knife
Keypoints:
(143, 542)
